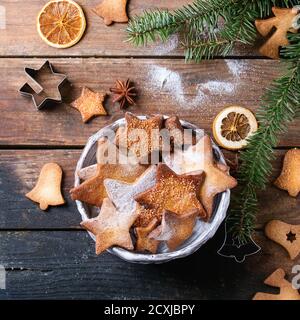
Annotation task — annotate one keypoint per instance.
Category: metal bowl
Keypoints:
(203, 231)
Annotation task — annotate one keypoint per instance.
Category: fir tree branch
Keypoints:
(278, 109)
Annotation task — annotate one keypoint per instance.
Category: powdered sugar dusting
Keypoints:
(170, 81)
(167, 46)
(218, 87)
(236, 67)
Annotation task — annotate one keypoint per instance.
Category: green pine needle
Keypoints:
(210, 28)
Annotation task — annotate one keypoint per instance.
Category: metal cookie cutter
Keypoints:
(45, 90)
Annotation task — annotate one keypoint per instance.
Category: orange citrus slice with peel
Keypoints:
(61, 23)
(233, 126)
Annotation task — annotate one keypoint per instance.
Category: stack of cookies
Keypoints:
(153, 180)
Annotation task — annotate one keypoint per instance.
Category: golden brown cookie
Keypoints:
(200, 157)
(277, 279)
(47, 191)
(112, 11)
(174, 228)
(111, 227)
(90, 104)
(172, 192)
(144, 242)
(287, 235)
(283, 22)
(92, 191)
(141, 137)
(289, 178)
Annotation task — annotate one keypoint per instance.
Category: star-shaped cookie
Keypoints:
(144, 242)
(90, 104)
(92, 191)
(112, 11)
(174, 228)
(141, 137)
(111, 227)
(200, 158)
(122, 194)
(172, 192)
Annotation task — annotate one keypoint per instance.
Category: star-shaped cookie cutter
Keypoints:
(39, 96)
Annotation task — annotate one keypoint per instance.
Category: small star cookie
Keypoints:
(144, 242)
(174, 228)
(90, 104)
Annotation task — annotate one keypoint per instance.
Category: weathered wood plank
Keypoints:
(195, 92)
(62, 265)
(20, 37)
(19, 170)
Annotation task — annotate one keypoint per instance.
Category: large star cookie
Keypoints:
(111, 227)
(200, 157)
(172, 192)
(122, 194)
(107, 152)
(90, 104)
(141, 137)
(92, 191)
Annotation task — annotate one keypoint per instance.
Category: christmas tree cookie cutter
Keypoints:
(44, 86)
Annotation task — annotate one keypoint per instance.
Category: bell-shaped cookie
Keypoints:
(47, 191)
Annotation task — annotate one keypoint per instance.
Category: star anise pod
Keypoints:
(124, 93)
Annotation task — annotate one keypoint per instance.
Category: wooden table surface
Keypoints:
(47, 254)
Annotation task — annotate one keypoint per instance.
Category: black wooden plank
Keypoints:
(62, 265)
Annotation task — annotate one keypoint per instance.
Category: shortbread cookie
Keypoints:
(172, 192)
(92, 191)
(141, 137)
(90, 104)
(122, 194)
(287, 235)
(111, 227)
(112, 11)
(47, 191)
(174, 228)
(289, 178)
(277, 279)
(200, 157)
(144, 242)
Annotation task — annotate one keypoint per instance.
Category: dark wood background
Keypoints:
(46, 254)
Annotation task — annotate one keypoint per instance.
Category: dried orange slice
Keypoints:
(61, 23)
(233, 126)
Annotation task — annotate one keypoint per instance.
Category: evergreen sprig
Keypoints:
(278, 109)
(209, 28)
(206, 28)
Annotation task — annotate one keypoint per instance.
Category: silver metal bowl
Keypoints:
(203, 231)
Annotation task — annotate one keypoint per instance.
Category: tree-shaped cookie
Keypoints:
(112, 11)
(277, 279)
(285, 20)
